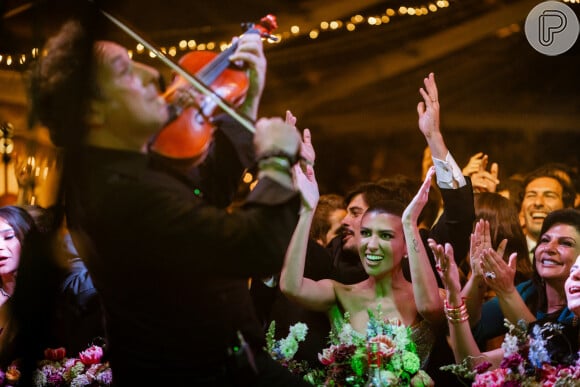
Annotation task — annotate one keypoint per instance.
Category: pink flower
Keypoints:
(549, 374)
(91, 355)
(490, 378)
(327, 355)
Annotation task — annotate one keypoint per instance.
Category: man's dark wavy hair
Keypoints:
(549, 170)
(60, 83)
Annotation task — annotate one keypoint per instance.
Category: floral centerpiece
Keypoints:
(56, 369)
(530, 359)
(345, 361)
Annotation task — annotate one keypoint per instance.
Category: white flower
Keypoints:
(299, 331)
(288, 347)
(400, 336)
(345, 335)
(510, 345)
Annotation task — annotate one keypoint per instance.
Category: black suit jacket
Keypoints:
(171, 269)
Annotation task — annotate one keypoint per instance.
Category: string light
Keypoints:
(7, 59)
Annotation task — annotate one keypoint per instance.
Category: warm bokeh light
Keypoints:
(294, 31)
(248, 177)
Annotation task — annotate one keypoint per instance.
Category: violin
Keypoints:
(188, 135)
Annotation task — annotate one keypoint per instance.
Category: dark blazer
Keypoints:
(171, 269)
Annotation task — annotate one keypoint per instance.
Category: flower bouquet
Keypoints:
(540, 358)
(346, 360)
(58, 370)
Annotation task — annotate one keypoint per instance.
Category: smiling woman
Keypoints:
(15, 225)
(542, 297)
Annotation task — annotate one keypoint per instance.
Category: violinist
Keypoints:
(171, 269)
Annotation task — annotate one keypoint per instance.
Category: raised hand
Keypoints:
(428, 109)
(308, 186)
(307, 153)
(484, 181)
(414, 208)
(274, 135)
(304, 175)
(473, 164)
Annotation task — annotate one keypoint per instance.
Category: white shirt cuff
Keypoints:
(448, 171)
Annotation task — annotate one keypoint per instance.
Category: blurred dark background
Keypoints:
(357, 91)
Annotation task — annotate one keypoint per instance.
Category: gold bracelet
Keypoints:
(456, 314)
(458, 320)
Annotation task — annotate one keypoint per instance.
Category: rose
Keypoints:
(91, 355)
(327, 355)
(55, 354)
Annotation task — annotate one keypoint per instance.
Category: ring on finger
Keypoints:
(489, 275)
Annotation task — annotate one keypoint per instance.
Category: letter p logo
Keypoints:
(551, 22)
(552, 28)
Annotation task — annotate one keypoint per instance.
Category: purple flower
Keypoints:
(105, 378)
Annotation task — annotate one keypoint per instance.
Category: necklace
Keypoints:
(4, 292)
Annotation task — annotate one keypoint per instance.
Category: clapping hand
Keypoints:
(498, 274)
(479, 241)
(447, 268)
